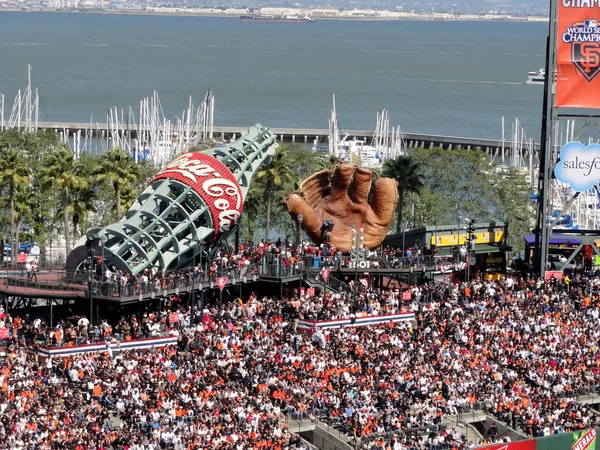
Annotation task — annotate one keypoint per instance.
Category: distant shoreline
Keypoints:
(421, 17)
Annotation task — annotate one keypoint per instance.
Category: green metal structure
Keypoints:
(171, 224)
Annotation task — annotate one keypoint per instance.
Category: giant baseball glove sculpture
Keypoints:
(348, 197)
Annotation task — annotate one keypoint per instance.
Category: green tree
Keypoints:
(253, 212)
(511, 204)
(462, 177)
(33, 147)
(61, 171)
(14, 173)
(82, 203)
(119, 169)
(407, 173)
(43, 202)
(426, 208)
(23, 210)
(329, 162)
(304, 161)
(273, 178)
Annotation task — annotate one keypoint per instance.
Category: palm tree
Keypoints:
(63, 172)
(81, 203)
(14, 172)
(23, 210)
(119, 169)
(273, 176)
(406, 172)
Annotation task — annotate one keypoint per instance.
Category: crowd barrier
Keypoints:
(115, 346)
(357, 322)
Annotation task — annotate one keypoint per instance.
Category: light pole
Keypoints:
(403, 244)
(469, 244)
(91, 286)
(103, 240)
(356, 248)
(194, 276)
(300, 218)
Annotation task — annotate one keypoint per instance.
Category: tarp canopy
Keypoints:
(555, 239)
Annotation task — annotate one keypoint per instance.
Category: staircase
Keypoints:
(313, 278)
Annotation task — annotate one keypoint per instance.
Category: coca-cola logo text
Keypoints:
(213, 182)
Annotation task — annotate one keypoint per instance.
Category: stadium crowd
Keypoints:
(522, 351)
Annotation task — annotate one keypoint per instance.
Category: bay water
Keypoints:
(450, 78)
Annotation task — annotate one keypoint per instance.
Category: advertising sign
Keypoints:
(325, 274)
(173, 318)
(579, 166)
(4, 334)
(584, 440)
(578, 54)
(212, 181)
(519, 445)
(485, 237)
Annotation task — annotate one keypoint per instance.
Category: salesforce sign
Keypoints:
(579, 166)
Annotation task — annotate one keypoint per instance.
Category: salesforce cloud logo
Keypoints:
(579, 166)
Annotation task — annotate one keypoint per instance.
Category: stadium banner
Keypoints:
(577, 54)
(584, 440)
(529, 444)
(364, 321)
(115, 346)
(483, 237)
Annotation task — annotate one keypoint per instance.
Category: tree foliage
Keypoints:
(51, 185)
(407, 174)
(63, 172)
(302, 163)
(461, 184)
(273, 178)
(14, 174)
(117, 168)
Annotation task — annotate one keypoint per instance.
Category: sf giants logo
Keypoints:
(586, 58)
(584, 38)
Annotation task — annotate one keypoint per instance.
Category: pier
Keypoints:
(299, 135)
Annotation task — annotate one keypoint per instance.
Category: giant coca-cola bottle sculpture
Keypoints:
(193, 201)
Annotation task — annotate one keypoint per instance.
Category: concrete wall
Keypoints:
(320, 438)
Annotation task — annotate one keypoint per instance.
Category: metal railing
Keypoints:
(296, 420)
(308, 268)
(182, 282)
(59, 284)
(314, 275)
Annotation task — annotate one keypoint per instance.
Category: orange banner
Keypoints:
(578, 54)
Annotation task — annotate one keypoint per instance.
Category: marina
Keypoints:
(147, 133)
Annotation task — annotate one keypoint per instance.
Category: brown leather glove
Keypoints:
(347, 196)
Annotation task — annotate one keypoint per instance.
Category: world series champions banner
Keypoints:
(578, 54)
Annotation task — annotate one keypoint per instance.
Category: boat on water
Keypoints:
(537, 77)
(283, 19)
(370, 154)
